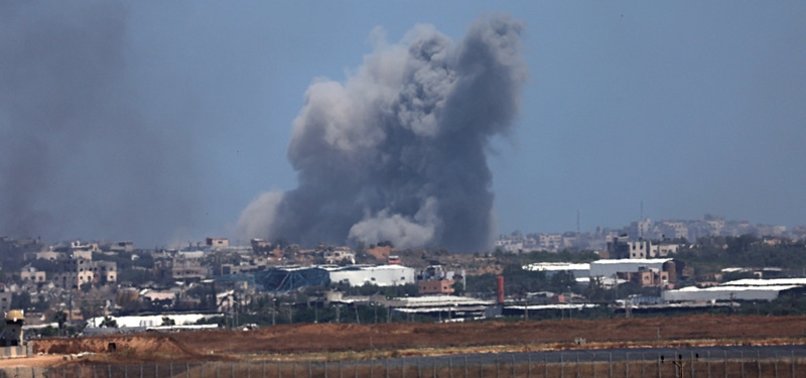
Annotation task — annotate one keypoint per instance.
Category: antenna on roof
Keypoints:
(641, 222)
(642, 210)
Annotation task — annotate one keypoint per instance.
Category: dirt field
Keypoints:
(340, 341)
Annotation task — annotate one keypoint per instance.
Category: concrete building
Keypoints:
(435, 287)
(673, 229)
(121, 246)
(647, 277)
(738, 290)
(75, 272)
(435, 280)
(380, 275)
(727, 293)
(612, 267)
(95, 272)
(30, 274)
(11, 335)
(5, 299)
(579, 270)
(664, 249)
(49, 255)
(339, 255)
(187, 268)
(442, 306)
(217, 243)
(639, 249)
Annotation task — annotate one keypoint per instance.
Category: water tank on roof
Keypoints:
(14, 315)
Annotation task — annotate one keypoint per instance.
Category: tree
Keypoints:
(166, 321)
(109, 322)
(60, 317)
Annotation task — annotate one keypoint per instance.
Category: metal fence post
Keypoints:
(775, 365)
(562, 365)
(741, 358)
(792, 362)
(593, 364)
(627, 366)
(658, 363)
(725, 362)
(643, 365)
(577, 366)
(758, 363)
(610, 365)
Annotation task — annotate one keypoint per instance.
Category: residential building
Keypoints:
(217, 243)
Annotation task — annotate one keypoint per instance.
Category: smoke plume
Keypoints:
(77, 155)
(397, 152)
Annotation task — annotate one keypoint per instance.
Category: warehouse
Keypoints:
(381, 275)
(611, 267)
(727, 293)
(579, 270)
(440, 306)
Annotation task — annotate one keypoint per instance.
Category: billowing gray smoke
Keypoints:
(398, 151)
(77, 156)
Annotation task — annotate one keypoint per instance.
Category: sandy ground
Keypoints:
(29, 362)
(343, 341)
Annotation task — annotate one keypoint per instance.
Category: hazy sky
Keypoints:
(693, 107)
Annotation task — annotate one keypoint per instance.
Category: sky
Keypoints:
(689, 107)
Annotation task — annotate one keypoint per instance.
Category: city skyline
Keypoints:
(185, 113)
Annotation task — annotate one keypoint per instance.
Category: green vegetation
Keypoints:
(712, 254)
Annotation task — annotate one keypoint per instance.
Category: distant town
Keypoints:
(667, 266)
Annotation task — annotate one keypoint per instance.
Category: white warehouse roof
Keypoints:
(556, 266)
(609, 267)
(799, 281)
(381, 275)
(726, 293)
(136, 321)
(437, 301)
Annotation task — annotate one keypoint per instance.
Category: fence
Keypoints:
(737, 362)
(15, 351)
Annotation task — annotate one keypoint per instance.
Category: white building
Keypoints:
(381, 275)
(741, 290)
(579, 270)
(338, 255)
(726, 293)
(611, 267)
